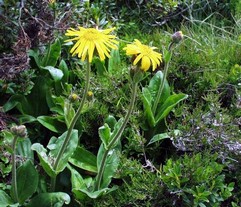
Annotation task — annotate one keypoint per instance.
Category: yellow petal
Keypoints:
(107, 31)
(85, 50)
(154, 64)
(76, 45)
(100, 51)
(79, 50)
(137, 59)
(91, 51)
(145, 63)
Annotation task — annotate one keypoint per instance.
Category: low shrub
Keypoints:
(197, 180)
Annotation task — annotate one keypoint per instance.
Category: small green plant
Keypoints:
(110, 134)
(157, 99)
(24, 176)
(198, 179)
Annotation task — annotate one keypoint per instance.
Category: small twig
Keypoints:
(19, 18)
(42, 22)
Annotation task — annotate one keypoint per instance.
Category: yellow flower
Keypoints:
(145, 53)
(90, 40)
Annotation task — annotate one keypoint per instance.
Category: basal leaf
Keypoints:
(45, 161)
(78, 183)
(111, 121)
(5, 199)
(63, 66)
(24, 149)
(116, 130)
(155, 84)
(52, 123)
(23, 119)
(50, 199)
(56, 73)
(84, 159)
(36, 57)
(159, 137)
(68, 112)
(27, 181)
(37, 98)
(105, 134)
(98, 193)
(168, 105)
(20, 102)
(147, 102)
(84, 187)
(53, 54)
(111, 164)
(100, 154)
(71, 147)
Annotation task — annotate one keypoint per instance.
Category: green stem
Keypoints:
(101, 170)
(160, 90)
(14, 174)
(116, 137)
(71, 127)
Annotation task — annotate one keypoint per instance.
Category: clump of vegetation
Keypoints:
(211, 128)
(197, 180)
(141, 187)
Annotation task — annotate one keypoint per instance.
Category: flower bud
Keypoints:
(177, 37)
(90, 95)
(19, 131)
(73, 97)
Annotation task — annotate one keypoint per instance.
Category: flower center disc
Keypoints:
(92, 35)
(146, 50)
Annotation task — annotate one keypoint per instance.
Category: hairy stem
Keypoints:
(116, 137)
(160, 90)
(71, 127)
(14, 174)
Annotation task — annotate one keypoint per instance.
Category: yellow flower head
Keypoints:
(145, 53)
(91, 39)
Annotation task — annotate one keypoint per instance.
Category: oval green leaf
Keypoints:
(27, 181)
(49, 199)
